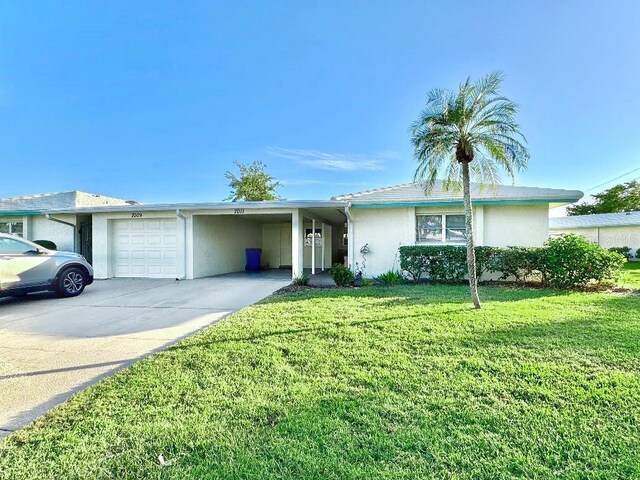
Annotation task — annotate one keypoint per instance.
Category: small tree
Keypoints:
(465, 133)
(624, 197)
(253, 184)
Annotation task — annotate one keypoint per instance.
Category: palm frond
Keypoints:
(476, 118)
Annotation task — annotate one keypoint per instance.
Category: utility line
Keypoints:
(614, 179)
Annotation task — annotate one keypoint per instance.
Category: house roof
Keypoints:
(624, 219)
(414, 194)
(54, 201)
(142, 207)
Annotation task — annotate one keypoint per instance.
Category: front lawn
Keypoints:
(631, 275)
(403, 382)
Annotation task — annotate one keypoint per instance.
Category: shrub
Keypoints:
(392, 277)
(48, 244)
(302, 280)
(564, 262)
(444, 263)
(343, 276)
(624, 251)
(571, 261)
(521, 263)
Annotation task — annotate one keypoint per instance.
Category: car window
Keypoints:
(9, 245)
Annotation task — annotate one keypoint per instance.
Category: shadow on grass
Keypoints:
(420, 294)
(607, 323)
(326, 326)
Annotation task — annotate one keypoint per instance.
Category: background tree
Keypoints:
(253, 184)
(624, 197)
(469, 132)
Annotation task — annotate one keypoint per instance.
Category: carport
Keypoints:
(293, 239)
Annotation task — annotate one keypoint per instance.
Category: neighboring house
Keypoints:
(26, 217)
(606, 229)
(193, 240)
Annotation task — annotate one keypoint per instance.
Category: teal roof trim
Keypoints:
(18, 213)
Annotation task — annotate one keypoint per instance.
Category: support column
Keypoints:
(351, 249)
(313, 246)
(297, 244)
(323, 244)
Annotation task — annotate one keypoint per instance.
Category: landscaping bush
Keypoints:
(563, 262)
(48, 244)
(443, 263)
(625, 251)
(390, 278)
(302, 280)
(343, 276)
(571, 261)
(521, 263)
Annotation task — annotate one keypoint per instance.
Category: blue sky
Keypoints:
(154, 101)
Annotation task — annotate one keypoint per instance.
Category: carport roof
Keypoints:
(279, 204)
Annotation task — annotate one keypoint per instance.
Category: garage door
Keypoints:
(145, 248)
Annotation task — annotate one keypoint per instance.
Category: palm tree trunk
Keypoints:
(468, 220)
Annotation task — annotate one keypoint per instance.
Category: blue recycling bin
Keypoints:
(253, 259)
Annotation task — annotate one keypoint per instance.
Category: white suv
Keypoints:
(26, 267)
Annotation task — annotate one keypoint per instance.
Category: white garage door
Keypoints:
(145, 248)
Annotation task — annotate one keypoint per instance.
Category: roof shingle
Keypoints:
(58, 200)
(624, 219)
(414, 193)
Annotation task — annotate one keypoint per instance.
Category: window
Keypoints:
(9, 245)
(15, 228)
(309, 237)
(440, 229)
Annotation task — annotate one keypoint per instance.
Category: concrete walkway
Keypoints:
(51, 348)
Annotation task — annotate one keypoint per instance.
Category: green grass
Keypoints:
(403, 382)
(630, 275)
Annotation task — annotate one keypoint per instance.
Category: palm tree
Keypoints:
(469, 132)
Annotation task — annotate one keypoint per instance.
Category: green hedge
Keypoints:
(444, 263)
(563, 262)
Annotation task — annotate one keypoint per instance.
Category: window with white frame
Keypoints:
(15, 228)
(440, 228)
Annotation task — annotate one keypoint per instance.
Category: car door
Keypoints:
(22, 266)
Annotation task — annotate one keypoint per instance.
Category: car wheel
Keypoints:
(71, 282)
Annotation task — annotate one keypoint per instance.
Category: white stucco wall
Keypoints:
(219, 243)
(37, 227)
(386, 229)
(62, 235)
(607, 236)
(516, 225)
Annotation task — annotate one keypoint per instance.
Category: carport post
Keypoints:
(297, 245)
(313, 246)
(323, 246)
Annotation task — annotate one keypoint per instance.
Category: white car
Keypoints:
(26, 267)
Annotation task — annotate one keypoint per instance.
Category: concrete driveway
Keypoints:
(50, 348)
